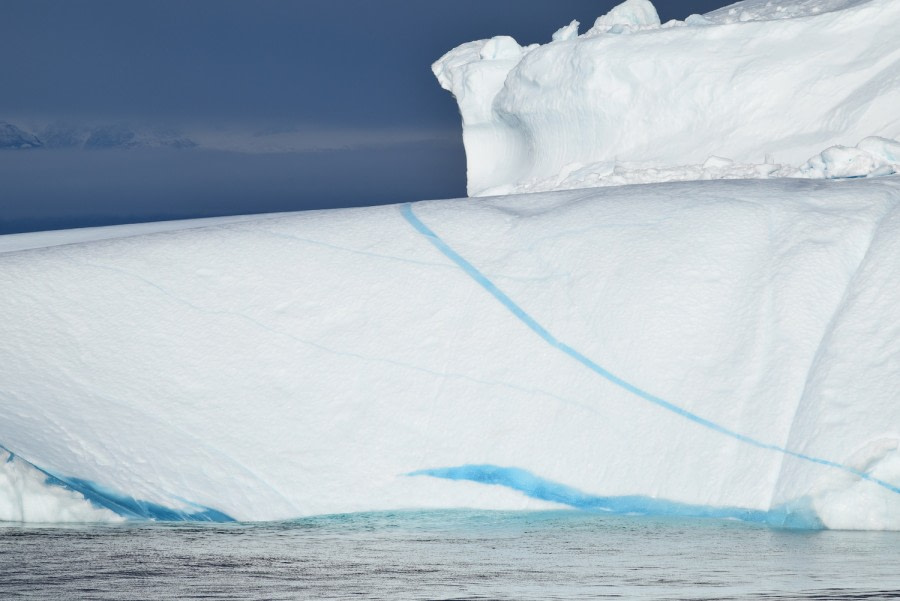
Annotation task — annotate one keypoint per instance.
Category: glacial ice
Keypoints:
(771, 86)
(719, 348)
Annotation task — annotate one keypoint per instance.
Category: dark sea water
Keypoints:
(447, 555)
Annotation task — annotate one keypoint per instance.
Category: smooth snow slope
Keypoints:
(755, 90)
(726, 349)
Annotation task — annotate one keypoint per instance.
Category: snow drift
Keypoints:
(756, 90)
(725, 349)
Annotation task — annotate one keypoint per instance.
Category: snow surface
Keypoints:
(777, 89)
(767, 10)
(27, 241)
(723, 348)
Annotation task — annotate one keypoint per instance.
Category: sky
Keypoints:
(304, 104)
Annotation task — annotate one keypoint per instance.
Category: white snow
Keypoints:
(633, 101)
(31, 240)
(631, 15)
(767, 10)
(567, 32)
(872, 157)
(302, 364)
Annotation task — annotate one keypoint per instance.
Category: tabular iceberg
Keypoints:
(717, 348)
(725, 349)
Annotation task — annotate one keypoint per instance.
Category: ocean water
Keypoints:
(447, 555)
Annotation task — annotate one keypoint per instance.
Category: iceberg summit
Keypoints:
(759, 89)
(727, 346)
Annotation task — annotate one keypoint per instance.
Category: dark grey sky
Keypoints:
(325, 65)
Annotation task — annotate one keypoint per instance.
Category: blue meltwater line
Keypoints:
(798, 516)
(121, 504)
(408, 214)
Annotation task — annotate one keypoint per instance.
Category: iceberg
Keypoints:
(727, 347)
(720, 348)
(765, 85)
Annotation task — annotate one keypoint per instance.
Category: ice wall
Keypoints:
(749, 91)
(724, 349)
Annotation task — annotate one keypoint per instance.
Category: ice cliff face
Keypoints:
(755, 90)
(723, 349)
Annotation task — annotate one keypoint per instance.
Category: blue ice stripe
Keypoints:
(798, 516)
(124, 505)
(408, 214)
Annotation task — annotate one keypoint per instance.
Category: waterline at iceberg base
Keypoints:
(723, 349)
